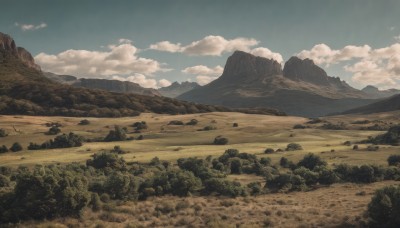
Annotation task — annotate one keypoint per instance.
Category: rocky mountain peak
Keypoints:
(298, 69)
(370, 89)
(244, 66)
(7, 44)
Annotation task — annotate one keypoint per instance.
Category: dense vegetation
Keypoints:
(46, 192)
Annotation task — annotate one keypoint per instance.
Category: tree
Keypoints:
(269, 151)
(64, 141)
(192, 122)
(219, 140)
(16, 147)
(384, 208)
(3, 149)
(235, 125)
(118, 134)
(84, 122)
(3, 132)
(310, 161)
(140, 125)
(104, 160)
(54, 130)
(293, 146)
(236, 165)
(394, 160)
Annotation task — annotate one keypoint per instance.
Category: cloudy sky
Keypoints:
(156, 42)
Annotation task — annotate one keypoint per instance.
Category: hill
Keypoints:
(176, 89)
(386, 105)
(301, 88)
(104, 84)
(374, 92)
(25, 90)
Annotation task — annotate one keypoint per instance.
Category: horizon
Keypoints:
(190, 41)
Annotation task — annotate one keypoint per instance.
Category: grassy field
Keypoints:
(254, 134)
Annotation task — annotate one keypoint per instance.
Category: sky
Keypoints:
(156, 42)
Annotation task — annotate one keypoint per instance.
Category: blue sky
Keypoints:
(48, 29)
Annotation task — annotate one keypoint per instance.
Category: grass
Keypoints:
(254, 134)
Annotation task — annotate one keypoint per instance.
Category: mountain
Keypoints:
(374, 92)
(104, 84)
(301, 88)
(384, 105)
(176, 89)
(24, 90)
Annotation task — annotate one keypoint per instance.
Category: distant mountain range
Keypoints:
(25, 90)
(176, 89)
(105, 84)
(300, 88)
(374, 92)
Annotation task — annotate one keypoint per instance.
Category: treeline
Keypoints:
(46, 192)
(36, 98)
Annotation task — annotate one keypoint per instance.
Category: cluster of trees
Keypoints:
(391, 137)
(14, 148)
(61, 141)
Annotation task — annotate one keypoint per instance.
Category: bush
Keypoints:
(140, 137)
(224, 187)
(175, 122)
(64, 141)
(219, 140)
(347, 143)
(236, 165)
(54, 130)
(209, 128)
(355, 147)
(384, 208)
(3, 132)
(310, 177)
(269, 151)
(4, 181)
(235, 125)
(140, 125)
(192, 122)
(104, 160)
(3, 149)
(16, 147)
(118, 134)
(372, 148)
(84, 122)
(95, 202)
(310, 161)
(299, 126)
(286, 163)
(394, 160)
(34, 146)
(391, 137)
(118, 150)
(293, 147)
(287, 182)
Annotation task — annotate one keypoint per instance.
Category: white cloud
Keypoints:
(30, 27)
(164, 83)
(166, 46)
(208, 46)
(266, 53)
(204, 70)
(379, 67)
(205, 79)
(120, 59)
(124, 41)
(143, 81)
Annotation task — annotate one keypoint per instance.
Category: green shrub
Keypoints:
(236, 165)
(394, 160)
(64, 141)
(140, 125)
(299, 126)
(310, 161)
(84, 122)
(54, 130)
(175, 122)
(384, 208)
(269, 151)
(118, 134)
(310, 177)
(293, 147)
(192, 122)
(95, 202)
(3, 132)
(3, 149)
(287, 182)
(209, 128)
(224, 187)
(235, 125)
(34, 146)
(104, 160)
(219, 140)
(4, 181)
(16, 147)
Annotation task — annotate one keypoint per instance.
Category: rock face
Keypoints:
(374, 92)
(176, 89)
(7, 44)
(242, 66)
(104, 84)
(301, 88)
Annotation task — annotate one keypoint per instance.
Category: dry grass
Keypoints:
(333, 206)
(254, 134)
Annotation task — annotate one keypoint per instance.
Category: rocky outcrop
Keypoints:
(297, 69)
(7, 44)
(176, 89)
(242, 66)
